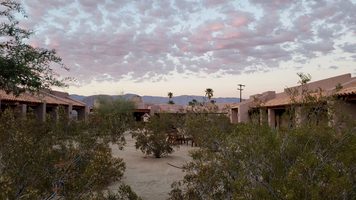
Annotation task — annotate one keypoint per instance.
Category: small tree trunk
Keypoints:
(157, 154)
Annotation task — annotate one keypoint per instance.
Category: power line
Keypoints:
(240, 88)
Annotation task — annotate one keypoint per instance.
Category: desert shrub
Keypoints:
(111, 118)
(124, 193)
(207, 128)
(257, 162)
(312, 160)
(152, 139)
(59, 158)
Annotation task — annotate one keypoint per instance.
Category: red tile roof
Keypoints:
(41, 97)
(24, 97)
(285, 99)
(278, 101)
(347, 91)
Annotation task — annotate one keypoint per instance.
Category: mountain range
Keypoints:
(179, 100)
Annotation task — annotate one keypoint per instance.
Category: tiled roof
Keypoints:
(170, 108)
(75, 102)
(24, 97)
(224, 107)
(248, 102)
(285, 99)
(40, 97)
(347, 91)
(53, 99)
(279, 101)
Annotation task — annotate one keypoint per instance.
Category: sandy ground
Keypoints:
(149, 177)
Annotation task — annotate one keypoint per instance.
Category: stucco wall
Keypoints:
(234, 115)
(349, 109)
(326, 84)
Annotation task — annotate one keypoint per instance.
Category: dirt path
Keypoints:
(149, 177)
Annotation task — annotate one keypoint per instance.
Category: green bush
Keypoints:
(257, 162)
(124, 193)
(311, 160)
(152, 139)
(60, 158)
(206, 129)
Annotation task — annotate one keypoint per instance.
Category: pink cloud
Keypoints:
(34, 44)
(136, 37)
(215, 2)
(303, 23)
(215, 27)
(239, 21)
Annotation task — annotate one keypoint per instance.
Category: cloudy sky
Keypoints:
(185, 46)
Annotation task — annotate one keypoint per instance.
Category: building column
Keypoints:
(87, 111)
(263, 116)
(83, 113)
(234, 115)
(69, 111)
(41, 112)
(55, 113)
(243, 116)
(271, 118)
(332, 118)
(299, 118)
(23, 110)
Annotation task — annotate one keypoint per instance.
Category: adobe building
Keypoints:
(142, 110)
(43, 104)
(242, 111)
(271, 107)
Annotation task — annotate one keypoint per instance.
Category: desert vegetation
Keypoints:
(310, 160)
(256, 162)
(153, 137)
(63, 158)
(170, 96)
(24, 67)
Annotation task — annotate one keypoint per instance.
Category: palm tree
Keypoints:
(170, 95)
(209, 93)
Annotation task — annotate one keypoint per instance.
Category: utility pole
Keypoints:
(240, 88)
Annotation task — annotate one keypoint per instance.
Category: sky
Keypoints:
(152, 47)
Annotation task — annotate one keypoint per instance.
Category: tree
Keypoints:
(209, 93)
(23, 67)
(112, 117)
(170, 95)
(206, 127)
(194, 103)
(56, 159)
(153, 138)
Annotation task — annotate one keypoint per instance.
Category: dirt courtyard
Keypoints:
(149, 177)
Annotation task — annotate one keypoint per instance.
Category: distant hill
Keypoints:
(77, 97)
(185, 99)
(180, 100)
